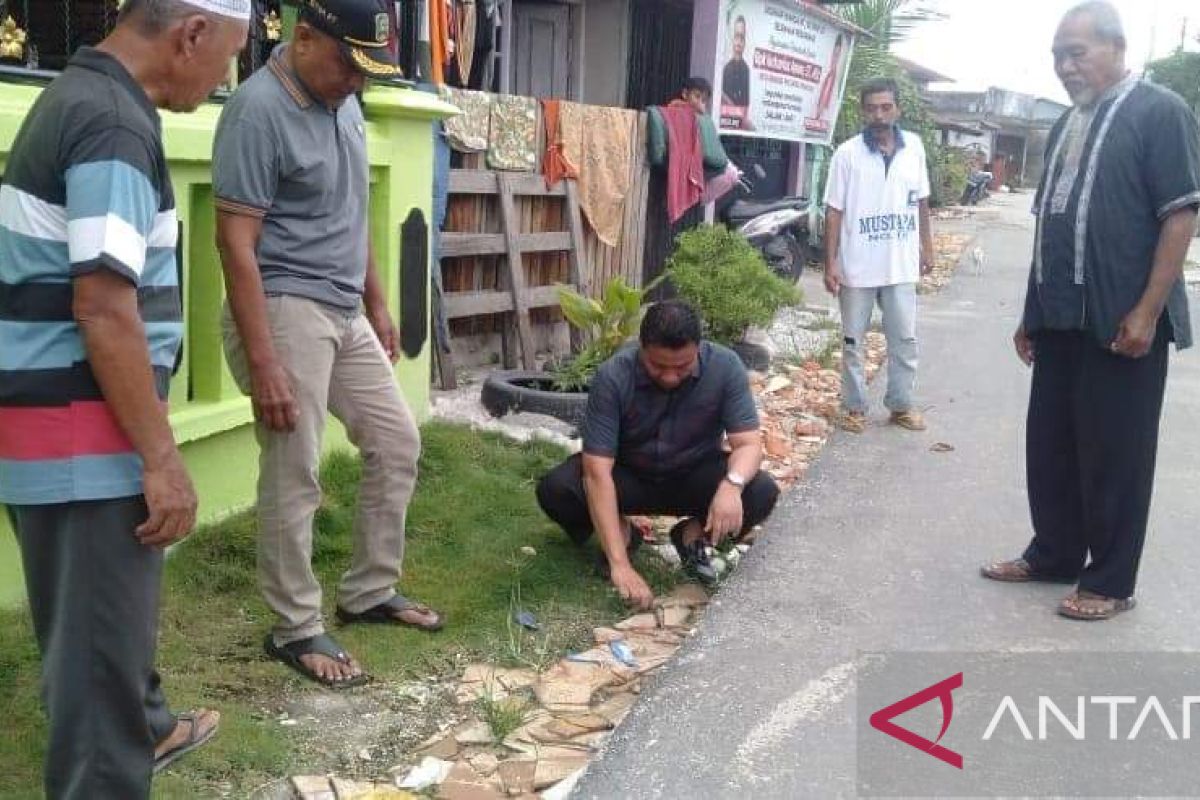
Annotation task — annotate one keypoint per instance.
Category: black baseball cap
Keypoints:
(362, 27)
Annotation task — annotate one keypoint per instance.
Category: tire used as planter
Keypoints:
(512, 391)
(754, 356)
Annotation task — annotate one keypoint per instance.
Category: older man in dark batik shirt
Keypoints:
(1116, 211)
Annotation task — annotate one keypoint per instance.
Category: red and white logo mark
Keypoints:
(881, 720)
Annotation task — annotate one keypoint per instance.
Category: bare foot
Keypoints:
(331, 669)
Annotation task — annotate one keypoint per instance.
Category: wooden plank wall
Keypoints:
(478, 214)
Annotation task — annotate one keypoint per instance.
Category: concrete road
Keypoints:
(880, 551)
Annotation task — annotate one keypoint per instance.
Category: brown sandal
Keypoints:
(1091, 607)
(1018, 570)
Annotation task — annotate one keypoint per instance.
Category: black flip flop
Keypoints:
(385, 614)
(321, 644)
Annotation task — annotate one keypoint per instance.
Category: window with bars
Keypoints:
(47, 32)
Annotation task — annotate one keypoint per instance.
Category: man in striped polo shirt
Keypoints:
(90, 325)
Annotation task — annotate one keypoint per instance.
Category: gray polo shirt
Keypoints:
(653, 431)
(283, 156)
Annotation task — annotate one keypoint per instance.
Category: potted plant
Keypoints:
(604, 325)
(730, 284)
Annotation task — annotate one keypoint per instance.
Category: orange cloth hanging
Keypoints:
(439, 33)
(555, 165)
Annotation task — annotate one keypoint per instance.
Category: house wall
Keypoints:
(605, 52)
(210, 417)
(981, 141)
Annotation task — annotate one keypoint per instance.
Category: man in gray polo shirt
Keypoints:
(657, 418)
(291, 184)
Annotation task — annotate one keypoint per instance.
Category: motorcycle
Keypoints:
(976, 188)
(778, 229)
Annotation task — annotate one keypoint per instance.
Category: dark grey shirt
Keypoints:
(1113, 174)
(654, 431)
(281, 155)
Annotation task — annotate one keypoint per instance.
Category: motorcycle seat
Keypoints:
(748, 209)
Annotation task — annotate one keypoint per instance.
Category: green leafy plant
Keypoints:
(952, 167)
(606, 324)
(502, 715)
(728, 282)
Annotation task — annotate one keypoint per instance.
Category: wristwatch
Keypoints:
(735, 479)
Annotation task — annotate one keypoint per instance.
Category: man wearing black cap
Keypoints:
(307, 329)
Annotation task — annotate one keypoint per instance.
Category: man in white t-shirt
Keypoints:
(877, 245)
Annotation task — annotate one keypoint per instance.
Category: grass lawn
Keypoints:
(473, 512)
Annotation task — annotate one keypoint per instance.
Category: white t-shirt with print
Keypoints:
(880, 238)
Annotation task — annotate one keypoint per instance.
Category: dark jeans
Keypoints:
(93, 594)
(1091, 444)
(686, 494)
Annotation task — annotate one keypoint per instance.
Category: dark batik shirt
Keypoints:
(650, 430)
(1113, 174)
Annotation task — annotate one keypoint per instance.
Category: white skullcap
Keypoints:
(237, 9)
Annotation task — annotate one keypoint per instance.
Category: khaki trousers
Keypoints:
(337, 365)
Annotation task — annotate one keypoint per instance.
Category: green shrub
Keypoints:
(728, 282)
(606, 324)
(951, 169)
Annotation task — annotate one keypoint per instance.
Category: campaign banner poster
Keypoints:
(781, 71)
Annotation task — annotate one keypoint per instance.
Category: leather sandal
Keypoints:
(1018, 570)
(387, 613)
(1091, 607)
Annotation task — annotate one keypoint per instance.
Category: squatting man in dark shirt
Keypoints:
(653, 443)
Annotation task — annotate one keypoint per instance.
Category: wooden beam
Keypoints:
(469, 304)
(516, 270)
(472, 181)
(455, 245)
(575, 256)
(575, 239)
(492, 244)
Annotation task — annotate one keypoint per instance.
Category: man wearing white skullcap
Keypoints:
(90, 302)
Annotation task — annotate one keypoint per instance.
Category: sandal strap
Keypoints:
(321, 644)
(399, 604)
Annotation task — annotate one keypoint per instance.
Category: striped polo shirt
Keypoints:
(86, 188)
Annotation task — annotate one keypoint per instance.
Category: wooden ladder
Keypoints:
(514, 296)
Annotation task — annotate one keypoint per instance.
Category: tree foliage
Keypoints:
(1179, 72)
(727, 280)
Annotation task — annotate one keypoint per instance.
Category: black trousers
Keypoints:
(1092, 440)
(688, 494)
(93, 594)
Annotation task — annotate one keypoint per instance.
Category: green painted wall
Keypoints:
(210, 417)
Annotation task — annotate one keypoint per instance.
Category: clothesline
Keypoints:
(595, 145)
